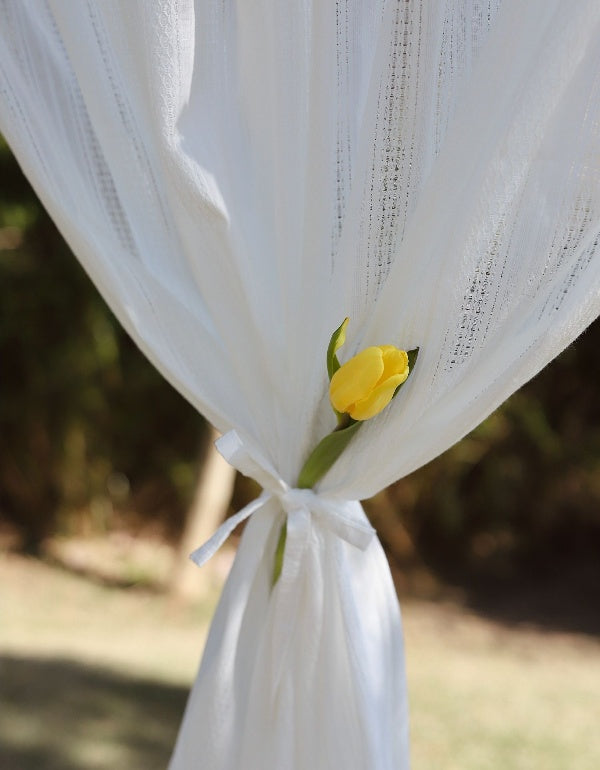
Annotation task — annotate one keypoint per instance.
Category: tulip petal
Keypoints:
(412, 356)
(355, 378)
(378, 399)
(394, 361)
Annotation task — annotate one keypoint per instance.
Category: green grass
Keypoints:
(487, 697)
(94, 677)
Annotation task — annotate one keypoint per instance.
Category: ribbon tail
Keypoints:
(287, 591)
(201, 555)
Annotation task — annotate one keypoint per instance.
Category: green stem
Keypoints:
(316, 466)
(279, 551)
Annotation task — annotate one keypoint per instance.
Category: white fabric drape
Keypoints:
(238, 177)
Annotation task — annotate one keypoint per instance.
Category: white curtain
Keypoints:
(237, 177)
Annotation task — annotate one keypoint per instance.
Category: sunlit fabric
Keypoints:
(237, 178)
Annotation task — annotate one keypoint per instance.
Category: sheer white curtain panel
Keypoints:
(237, 178)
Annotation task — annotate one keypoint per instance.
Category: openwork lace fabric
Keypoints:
(237, 178)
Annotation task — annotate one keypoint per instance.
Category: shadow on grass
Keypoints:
(58, 714)
(560, 598)
(95, 576)
(563, 599)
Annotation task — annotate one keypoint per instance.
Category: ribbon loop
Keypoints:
(345, 518)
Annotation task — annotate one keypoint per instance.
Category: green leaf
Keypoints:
(335, 343)
(325, 454)
(412, 360)
(412, 357)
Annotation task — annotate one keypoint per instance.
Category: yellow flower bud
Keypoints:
(366, 384)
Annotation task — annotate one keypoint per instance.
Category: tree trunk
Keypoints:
(209, 506)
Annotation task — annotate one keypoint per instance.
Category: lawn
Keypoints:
(95, 676)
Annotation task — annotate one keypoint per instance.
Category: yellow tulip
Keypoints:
(366, 384)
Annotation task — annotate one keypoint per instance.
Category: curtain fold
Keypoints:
(236, 179)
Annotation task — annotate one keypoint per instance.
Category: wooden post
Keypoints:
(209, 507)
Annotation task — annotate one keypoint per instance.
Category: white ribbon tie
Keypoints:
(345, 518)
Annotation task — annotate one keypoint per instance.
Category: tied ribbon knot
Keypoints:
(303, 508)
(345, 518)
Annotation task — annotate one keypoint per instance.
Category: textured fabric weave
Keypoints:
(237, 178)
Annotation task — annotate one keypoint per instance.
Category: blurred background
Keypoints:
(107, 481)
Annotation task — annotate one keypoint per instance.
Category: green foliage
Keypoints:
(88, 426)
(522, 489)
